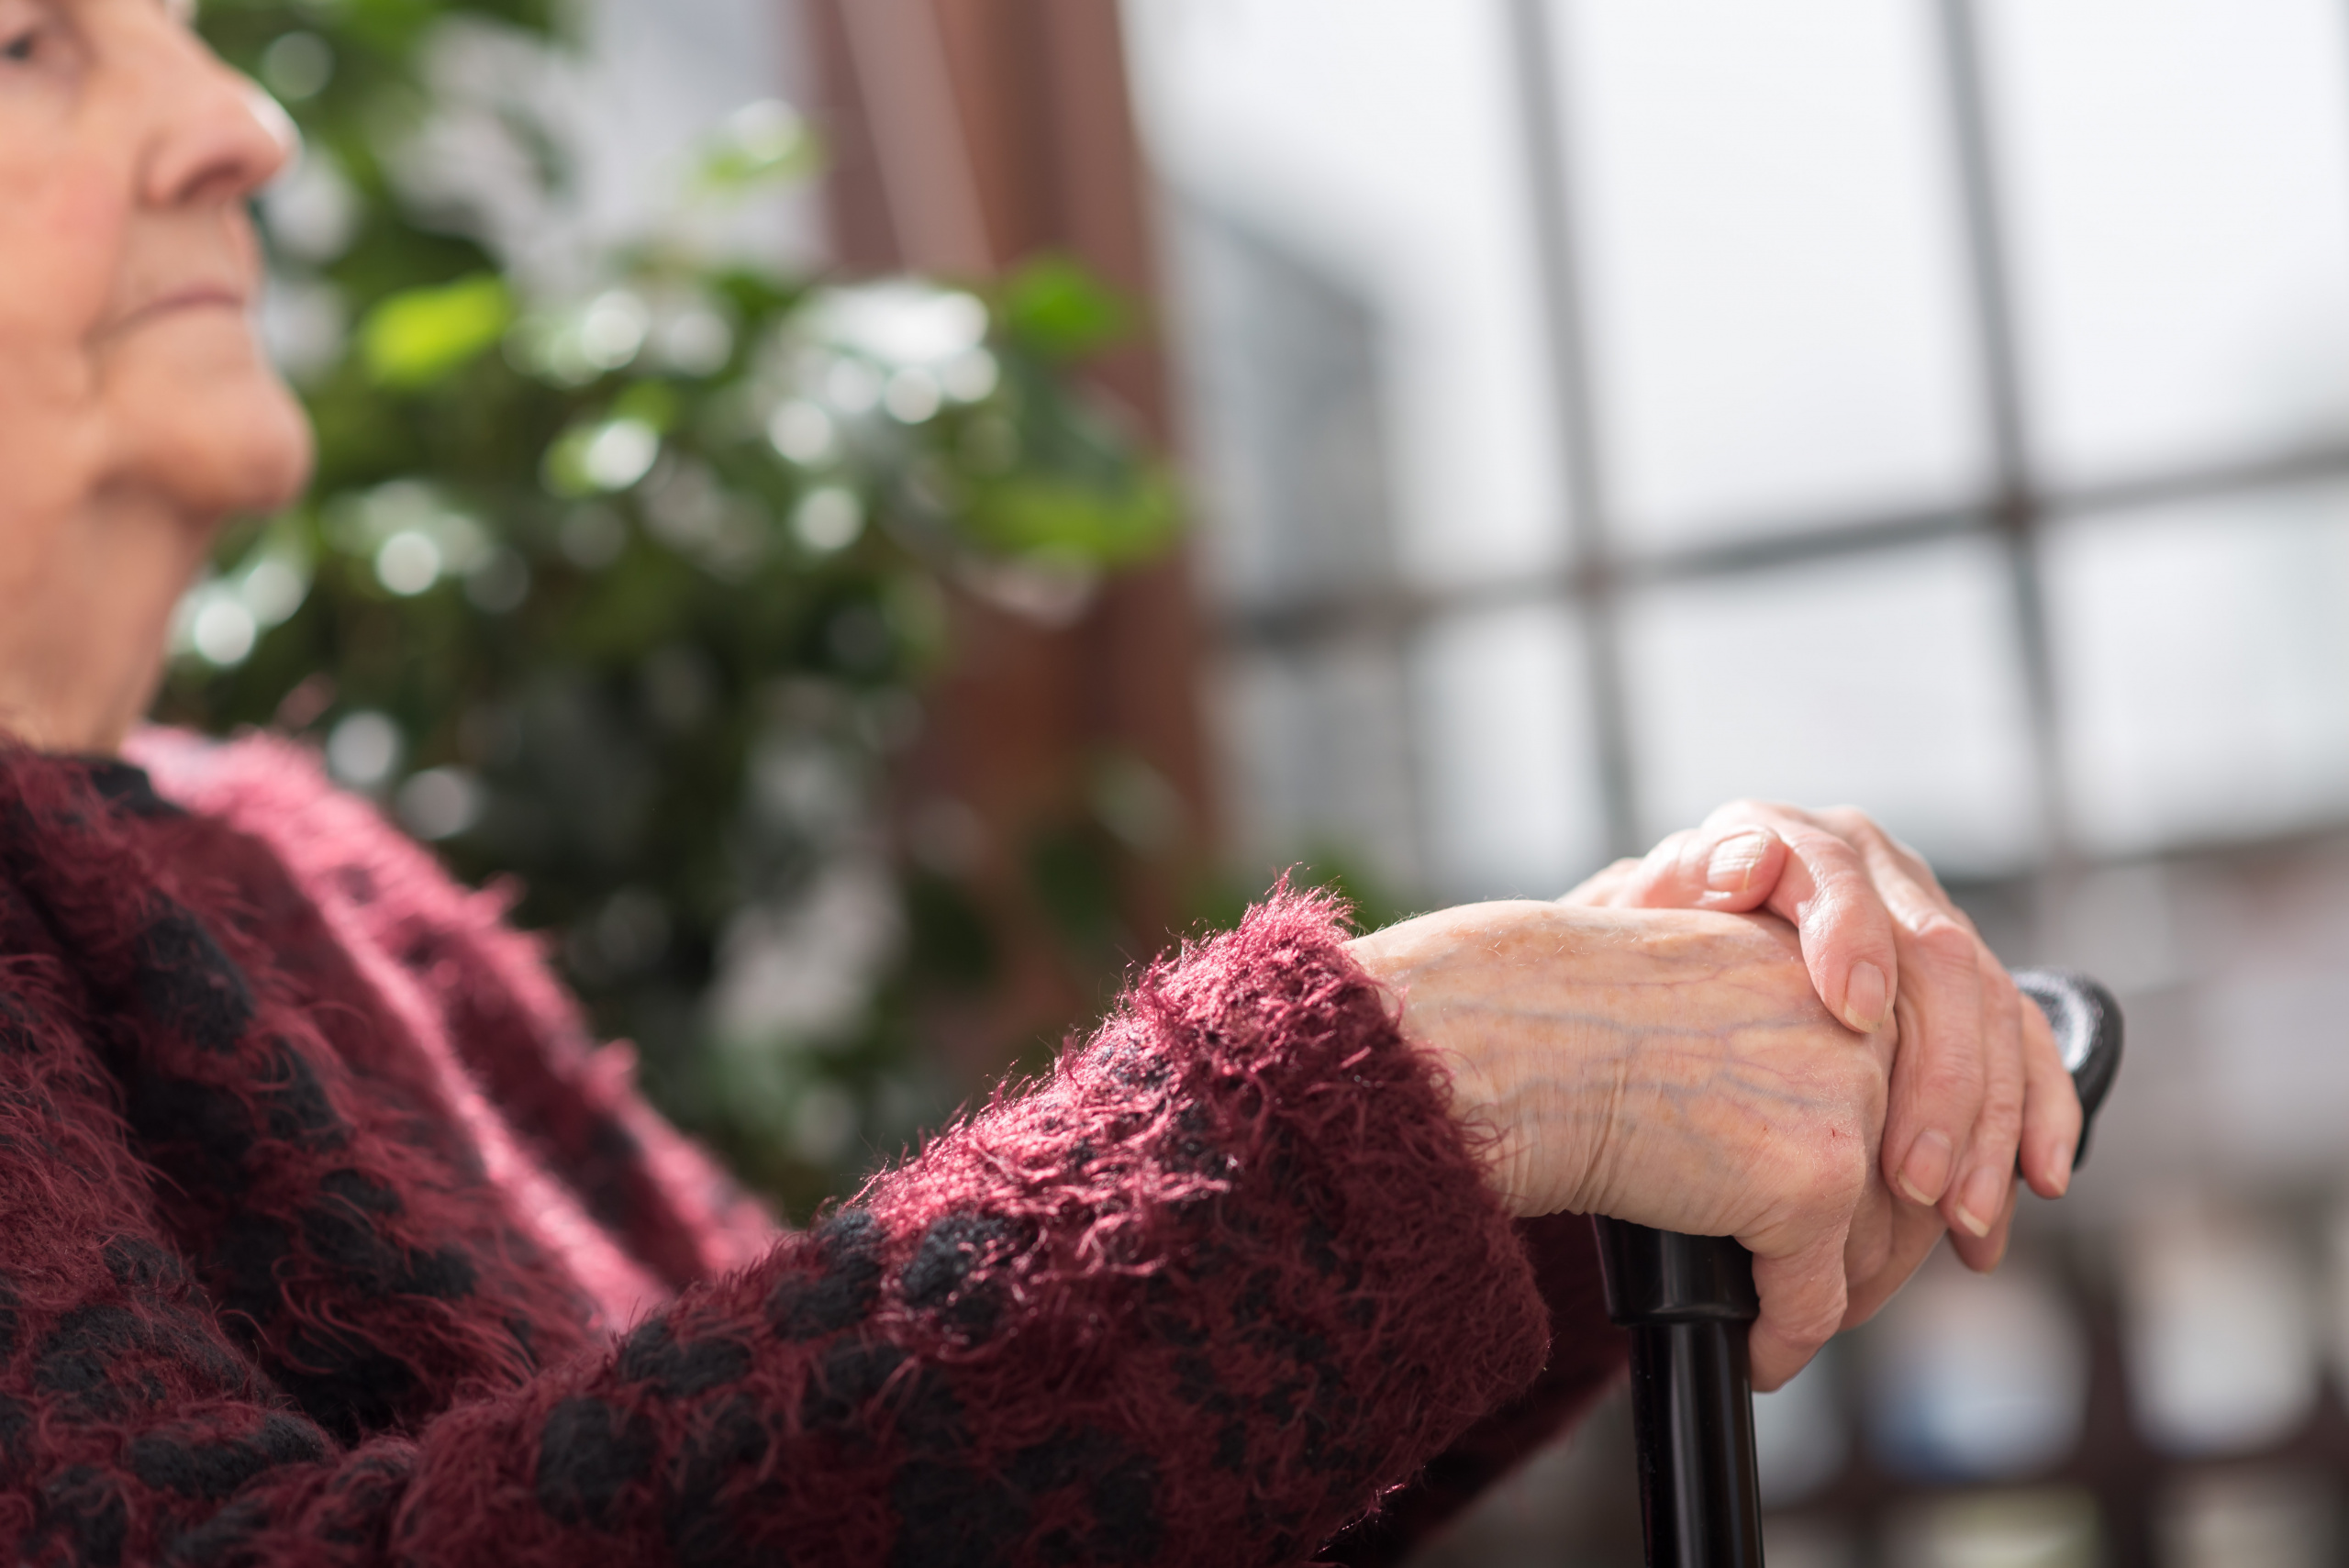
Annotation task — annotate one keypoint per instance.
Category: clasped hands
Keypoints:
(1775, 1027)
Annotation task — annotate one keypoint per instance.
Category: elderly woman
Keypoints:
(326, 1236)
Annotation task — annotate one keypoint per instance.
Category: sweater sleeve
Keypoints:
(1587, 1354)
(1197, 1298)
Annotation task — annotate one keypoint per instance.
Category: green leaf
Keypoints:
(601, 456)
(1056, 308)
(421, 336)
(762, 143)
(652, 402)
(1031, 514)
(650, 734)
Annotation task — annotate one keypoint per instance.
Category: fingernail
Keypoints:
(1733, 862)
(1926, 1171)
(2059, 1165)
(1981, 1203)
(1990, 1266)
(1865, 996)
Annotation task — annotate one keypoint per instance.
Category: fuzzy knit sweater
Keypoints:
(329, 1236)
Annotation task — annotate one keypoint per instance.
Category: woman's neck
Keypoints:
(86, 596)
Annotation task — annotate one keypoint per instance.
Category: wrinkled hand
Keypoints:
(1676, 1069)
(1976, 1079)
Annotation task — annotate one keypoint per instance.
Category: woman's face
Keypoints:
(129, 270)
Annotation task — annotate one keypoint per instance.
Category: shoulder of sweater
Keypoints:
(340, 848)
(391, 893)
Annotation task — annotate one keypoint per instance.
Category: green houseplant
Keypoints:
(619, 581)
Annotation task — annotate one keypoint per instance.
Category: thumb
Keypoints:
(1732, 868)
(1803, 1298)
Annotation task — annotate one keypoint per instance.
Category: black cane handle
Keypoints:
(1687, 1299)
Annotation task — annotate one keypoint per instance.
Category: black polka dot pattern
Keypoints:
(682, 1370)
(82, 1510)
(589, 1453)
(812, 1304)
(197, 1465)
(190, 986)
(939, 1274)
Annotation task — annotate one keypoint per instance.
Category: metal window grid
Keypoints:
(2013, 508)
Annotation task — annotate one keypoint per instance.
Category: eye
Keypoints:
(27, 31)
(21, 36)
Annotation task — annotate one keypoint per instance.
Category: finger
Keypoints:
(1979, 1196)
(1732, 868)
(1847, 879)
(1599, 890)
(1848, 934)
(1941, 1076)
(1803, 1304)
(1948, 1063)
(2051, 1117)
(1984, 1254)
(1915, 1232)
(1868, 1246)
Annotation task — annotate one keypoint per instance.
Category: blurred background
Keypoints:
(863, 517)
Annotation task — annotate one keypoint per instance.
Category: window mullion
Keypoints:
(1593, 580)
(2017, 509)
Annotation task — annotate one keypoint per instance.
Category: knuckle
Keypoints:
(1837, 1178)
(1744, 808)
(1954, 1082)
(1942, 942)
(2002, 1108)
(1665, 859)
(1850, 822)
(2000, 994)
(1672, 843)
(1821, 842)
(1924, 868)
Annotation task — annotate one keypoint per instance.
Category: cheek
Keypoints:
(63, 224)
(61, 245)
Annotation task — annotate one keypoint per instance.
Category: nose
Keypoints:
(216, 137)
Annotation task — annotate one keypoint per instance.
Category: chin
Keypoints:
(207, 423)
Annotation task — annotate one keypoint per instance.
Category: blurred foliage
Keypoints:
(621, 572)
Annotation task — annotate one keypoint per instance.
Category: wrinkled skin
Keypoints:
(1979, 1087)
(1647, 1049)
(1676, 1069)
(137, 411)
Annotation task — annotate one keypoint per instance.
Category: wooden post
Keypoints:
(968, 134)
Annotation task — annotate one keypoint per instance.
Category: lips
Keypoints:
(194, 297)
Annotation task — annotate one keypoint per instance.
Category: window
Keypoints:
(1605, 407)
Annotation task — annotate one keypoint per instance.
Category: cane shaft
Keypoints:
(1692, 1411)
(1688, 1302)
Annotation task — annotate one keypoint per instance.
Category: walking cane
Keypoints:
(1687, 1301)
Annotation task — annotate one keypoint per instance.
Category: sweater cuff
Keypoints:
(1329, 1292)
(1588, 1353)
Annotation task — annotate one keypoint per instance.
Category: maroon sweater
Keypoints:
(327, 1235)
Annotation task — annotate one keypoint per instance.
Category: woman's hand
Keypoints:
(1677, 1069)
(1976, 1081)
